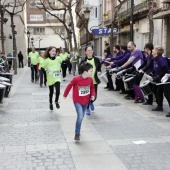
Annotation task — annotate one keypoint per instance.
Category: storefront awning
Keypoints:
(162, 14)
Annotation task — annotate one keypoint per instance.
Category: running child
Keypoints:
(83, 92)
(52, 65)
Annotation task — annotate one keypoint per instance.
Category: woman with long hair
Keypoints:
(95, 62)
(52, 65)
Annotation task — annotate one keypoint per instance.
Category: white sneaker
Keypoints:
(64, 79)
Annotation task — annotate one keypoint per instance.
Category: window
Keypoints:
(38, 31)
(36, 17)
(34, 3)
(96, 13)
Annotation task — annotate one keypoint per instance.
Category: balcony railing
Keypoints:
(137, 9)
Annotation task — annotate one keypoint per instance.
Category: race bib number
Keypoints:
(84, 90)
(56, 74)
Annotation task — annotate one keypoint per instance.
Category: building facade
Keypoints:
(20, 34)
(44, 28)
(85, 27)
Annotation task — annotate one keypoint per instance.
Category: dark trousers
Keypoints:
(10, 64)
(69, 67)
(110, 81)
(33, 72)
(56, 85)
(120, 84)
(42, 75)
(150, 96)
(21, 64)
(64, 69)
(167, 92)
(95, 88)
(158, 92)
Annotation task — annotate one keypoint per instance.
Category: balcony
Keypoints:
(165, 5)
(136, 10)
(164, 11)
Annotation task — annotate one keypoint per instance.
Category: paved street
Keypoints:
(34, 138)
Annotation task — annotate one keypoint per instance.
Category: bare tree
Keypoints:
(15, 7)
(152, 11)
(62, 34)
(67, 9)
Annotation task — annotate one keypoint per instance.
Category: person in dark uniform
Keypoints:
(136, 60)
(125, 56)
(20, 58)
(160, 69)
(107, 55)
(95, 62)
(118, 56)
(147, 67)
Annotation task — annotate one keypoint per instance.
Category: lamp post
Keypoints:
(87, 16)
(32, 41)
(28, 35)
(131, 20)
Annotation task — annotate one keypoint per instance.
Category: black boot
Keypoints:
(57, 105)
(158, 108)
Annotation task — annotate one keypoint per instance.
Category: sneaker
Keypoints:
(158, 108)
(106, 87)
(77, 137)
(88, 112)
(57, 105)
(32, 81)
(168, 115)
(64, 79)
(40, 85)
(92, 107)
(51, 106)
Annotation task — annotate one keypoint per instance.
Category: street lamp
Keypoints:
(28, 35)
(32, 41)
(87, 16)
(131, 20)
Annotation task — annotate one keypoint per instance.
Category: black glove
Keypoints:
(156, 79)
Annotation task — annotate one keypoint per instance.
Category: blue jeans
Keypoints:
(80, 109)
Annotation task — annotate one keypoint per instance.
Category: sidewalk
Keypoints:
(34, 138)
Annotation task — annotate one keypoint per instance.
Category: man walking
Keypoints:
(33, 55)
(20, 59)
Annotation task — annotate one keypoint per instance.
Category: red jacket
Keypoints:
(83, 89)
